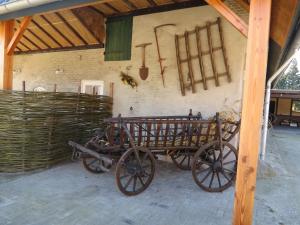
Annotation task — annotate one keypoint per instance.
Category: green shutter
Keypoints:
(118, 38)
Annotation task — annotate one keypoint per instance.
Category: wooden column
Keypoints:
(253, 98)
(6, 60)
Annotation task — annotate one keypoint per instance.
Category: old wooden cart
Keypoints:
(134, 143)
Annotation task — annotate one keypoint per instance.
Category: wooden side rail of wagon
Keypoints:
(193, 144)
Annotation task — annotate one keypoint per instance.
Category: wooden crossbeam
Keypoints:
(234, 19)
(18, 35)
(252, 110)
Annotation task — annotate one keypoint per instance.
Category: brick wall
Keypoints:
(150, 98)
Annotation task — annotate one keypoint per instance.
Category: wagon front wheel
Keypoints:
(95, 165)
(182, 158)
(135, 171)
(214, 169)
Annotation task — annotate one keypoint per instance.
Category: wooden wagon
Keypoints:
(134, 143)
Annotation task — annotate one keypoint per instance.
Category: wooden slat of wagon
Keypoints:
(111, 136)
(208, 132)
(199, 132)
(149, 125)
(190, 134)
(140, 134)
(166, 134)
(122, 136)
(174, 134)
(157, 134)
(182, 134)
(132, 133)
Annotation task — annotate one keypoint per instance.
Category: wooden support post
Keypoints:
(23, 85)
(234, 19)
(55, 88)
(18, 35)
(6, 61)
(111, 89)
(253, 98)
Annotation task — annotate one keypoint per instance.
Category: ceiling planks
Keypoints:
(79, 28)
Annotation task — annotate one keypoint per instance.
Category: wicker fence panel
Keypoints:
(35, 127)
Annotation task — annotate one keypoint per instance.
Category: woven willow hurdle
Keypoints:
(35, 127)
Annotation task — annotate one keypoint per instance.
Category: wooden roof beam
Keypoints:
(47, 33)
(244, 4)
(234, 19)
(111, 7)
(18, 35)
(36, 36)
(92, 26)
(58, 31)
(97, 10)
(71, 28)
(130, 5)
(152, 3)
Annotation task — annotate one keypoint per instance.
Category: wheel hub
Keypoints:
(134, 169)
(217, 166)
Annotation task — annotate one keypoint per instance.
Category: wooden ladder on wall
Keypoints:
(199, 56)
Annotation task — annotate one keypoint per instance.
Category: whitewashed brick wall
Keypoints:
(150, 98)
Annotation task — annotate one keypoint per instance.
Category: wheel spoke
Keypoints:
(92, 162)
(226, 163)
(128, 182)
(189, 161)
(229, 171)
(206, 176)
(182, 160)
(224, 175)
(141, 180)
(124, 176)
(212, 179)
(134, 183)
(227, 154)
(219, 181)
(202, 171)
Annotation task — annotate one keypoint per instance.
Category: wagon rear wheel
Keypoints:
(135, 171)
(183, 158)
(95, 165)
(214, 170)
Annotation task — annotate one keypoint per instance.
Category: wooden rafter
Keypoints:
(18, 35)
(152, 3)
(71, 28)
(244, 4)
(234, 19)
(36, 36)
(83, 23)
(252, 110)
(97, 10)
(31, 42)
(111, 7)
(130, 5)
(58, 31)
(47, 33)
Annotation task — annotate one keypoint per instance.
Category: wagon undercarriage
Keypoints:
(134, 144)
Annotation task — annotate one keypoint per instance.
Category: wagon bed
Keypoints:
(135, 142)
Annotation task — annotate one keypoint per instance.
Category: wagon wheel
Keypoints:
(133, 177)
(183, 158)
(212, 171)
(95, 165)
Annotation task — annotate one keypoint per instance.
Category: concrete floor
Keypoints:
(69, 195)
